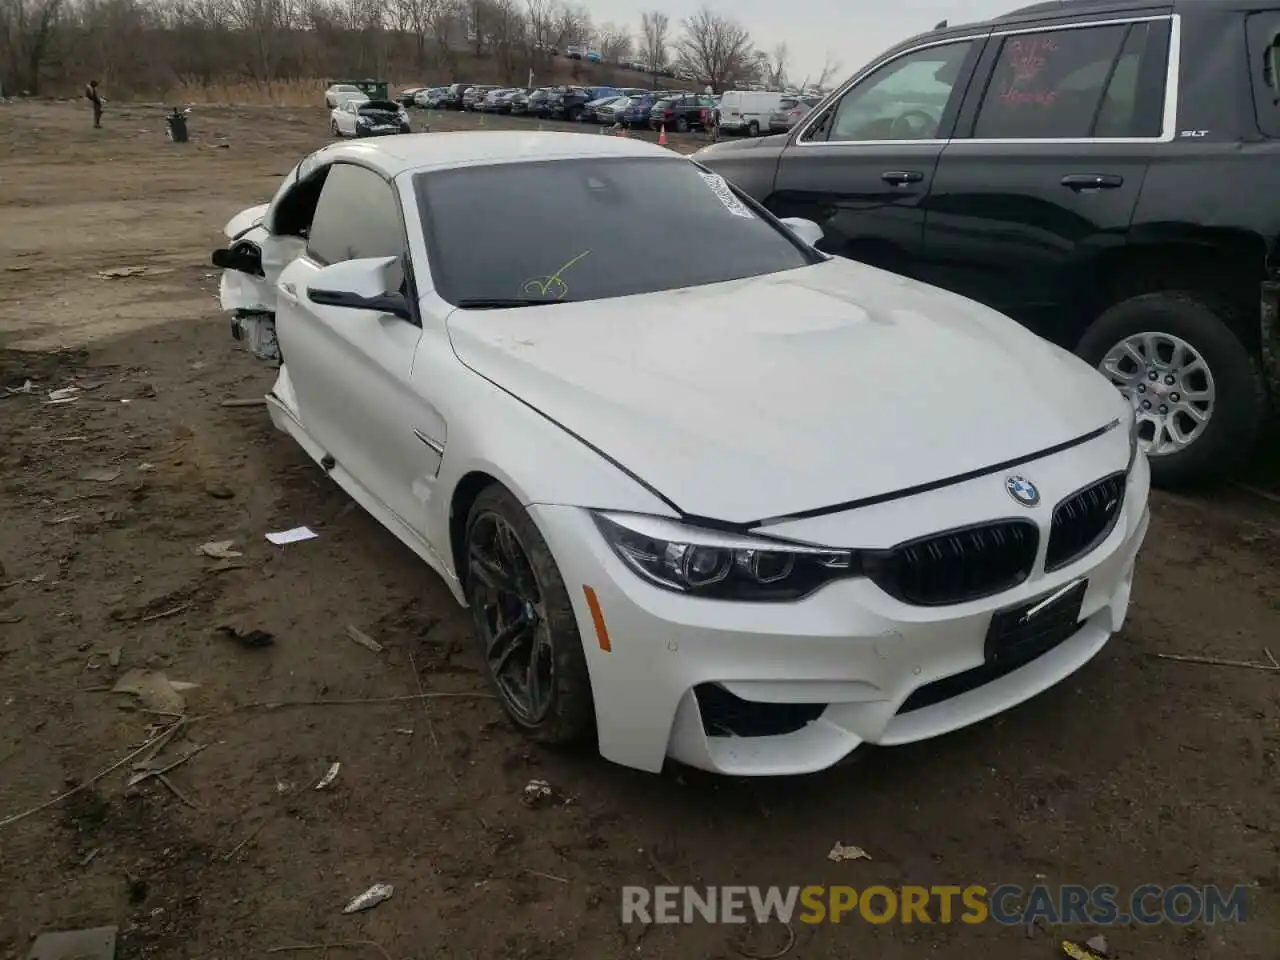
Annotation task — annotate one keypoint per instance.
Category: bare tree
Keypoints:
(654, 27)
(27, 30)
(714, 48)
(508, 36)
(778, 67)
(613, 42)
(830, 68)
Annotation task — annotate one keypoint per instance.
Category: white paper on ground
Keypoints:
(292, 536)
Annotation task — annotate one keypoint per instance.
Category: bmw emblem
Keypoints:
(1022, 490)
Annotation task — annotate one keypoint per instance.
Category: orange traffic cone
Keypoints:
(662, 135)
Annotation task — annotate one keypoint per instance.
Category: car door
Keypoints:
(862, 168)
(1046, 167)
(351, 369)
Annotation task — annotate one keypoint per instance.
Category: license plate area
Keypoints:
(1019, 634)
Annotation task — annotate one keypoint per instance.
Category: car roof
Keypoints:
(392, 156)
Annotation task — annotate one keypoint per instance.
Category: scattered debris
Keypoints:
(153, 745)
(97, 943)
(292, 536)
(63, 395)
(114, 273)
(154, 691)
(337, 945)
(11, 618)
(253, 402)
(220, 550)
(331, 775)
(113, 656)
(362, 638)
(146, 769)
(171, 612)
(407, 731)
(1077, 952)
(247, 638)
(219, 491)
(752, 955)
(535, 791)
(26, 387)
(1219, 662)
(375, 895)
(100, 476)
(841, 852)
(1098, 944)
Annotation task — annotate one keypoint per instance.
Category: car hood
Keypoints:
(800, 390)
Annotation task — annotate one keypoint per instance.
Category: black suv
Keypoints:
(1106, 172)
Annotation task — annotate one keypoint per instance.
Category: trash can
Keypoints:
(177, 121)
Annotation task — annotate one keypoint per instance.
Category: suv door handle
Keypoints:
(289, 290)
(901, 177)
(1092, 181)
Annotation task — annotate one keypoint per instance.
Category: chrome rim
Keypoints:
(508, 607)
(1170, 386)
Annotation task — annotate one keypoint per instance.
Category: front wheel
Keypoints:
(525, 621)
(753, 129)
(333, 128)
(1198, 394)
(682, 125)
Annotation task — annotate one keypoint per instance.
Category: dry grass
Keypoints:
(284, 93)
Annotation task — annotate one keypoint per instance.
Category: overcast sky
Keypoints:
(851, 31)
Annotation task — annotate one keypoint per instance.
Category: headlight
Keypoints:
(362, 121)
(705, 563)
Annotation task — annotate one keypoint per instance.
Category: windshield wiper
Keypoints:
(497, 303)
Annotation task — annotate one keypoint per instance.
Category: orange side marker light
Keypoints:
(597, 618)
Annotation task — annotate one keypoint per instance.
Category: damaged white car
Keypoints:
(710, 494)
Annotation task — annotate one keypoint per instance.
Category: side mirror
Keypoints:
(371, 283)
(806, 230)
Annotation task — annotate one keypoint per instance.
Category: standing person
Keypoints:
(91, 94)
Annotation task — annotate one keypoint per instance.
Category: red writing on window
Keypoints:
(1025, 59)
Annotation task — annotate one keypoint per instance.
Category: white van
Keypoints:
(747, 111)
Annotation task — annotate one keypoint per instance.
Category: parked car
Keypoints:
(499, 100)
(452, 98)
(791, 110)
(341, 91)
(636, 112)
(353, 117)
(1108, 199)
(682, 112)
(746, 111)
(754, 587)
(593, 56)
(406, 96)
(591, 109)
(539, 104)
(571, 102)
(613, 112)
(473, 97)
(431, 99)
(575, 51)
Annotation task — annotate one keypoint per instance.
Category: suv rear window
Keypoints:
(788, 103)
(593, 228)
(1264, 69)
(1077, 83)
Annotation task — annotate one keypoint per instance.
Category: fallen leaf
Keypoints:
(100, 476)
(153, 690)
(220, 550)
(841, 852)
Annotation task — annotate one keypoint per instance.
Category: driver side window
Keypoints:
(903, 100)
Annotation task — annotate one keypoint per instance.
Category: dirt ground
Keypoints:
(1137, 770)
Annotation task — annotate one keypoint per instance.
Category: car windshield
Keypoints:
(547, 231)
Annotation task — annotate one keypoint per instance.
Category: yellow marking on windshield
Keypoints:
(544, 285)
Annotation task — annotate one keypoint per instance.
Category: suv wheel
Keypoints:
(1198, 393)
(753, 129)
(682, 125)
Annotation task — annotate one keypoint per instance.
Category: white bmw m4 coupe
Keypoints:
(709, 493)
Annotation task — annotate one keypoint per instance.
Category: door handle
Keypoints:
(289, 290)
(1092, 181)
(901, 178)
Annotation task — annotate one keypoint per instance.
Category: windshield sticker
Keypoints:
(725, 195)
(552, 287)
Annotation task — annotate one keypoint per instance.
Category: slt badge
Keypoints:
(1022, 490)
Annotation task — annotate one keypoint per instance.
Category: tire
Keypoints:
(569, 715)
(1239, 403)
(333, 128)
(682, 125)
(753, 129)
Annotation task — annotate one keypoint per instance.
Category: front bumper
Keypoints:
(845, 660)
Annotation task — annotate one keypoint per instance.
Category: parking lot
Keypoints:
(1136, 770)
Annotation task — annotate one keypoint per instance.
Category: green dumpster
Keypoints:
(373, 89)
